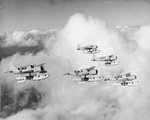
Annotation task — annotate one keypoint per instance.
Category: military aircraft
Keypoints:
(127, 83)
(124, 80)
(90, 49)
(124, 77)
(87, 78)
(27, 69)
(29, 72)
(86, 75)
(104, 58)
(109, 60)
(83, 72)
(111, 63)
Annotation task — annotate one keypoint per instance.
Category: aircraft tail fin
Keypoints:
(94, 58)
(79, 47)
(11, 67)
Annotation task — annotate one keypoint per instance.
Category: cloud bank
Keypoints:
(60, 98)
(25, 42)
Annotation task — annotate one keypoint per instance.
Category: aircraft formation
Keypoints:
(91, 74)
(85, 75)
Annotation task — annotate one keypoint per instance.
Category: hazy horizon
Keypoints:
(18, 15)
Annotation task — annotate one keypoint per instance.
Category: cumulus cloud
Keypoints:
(62, 98)
(26, 42)
(23, 38)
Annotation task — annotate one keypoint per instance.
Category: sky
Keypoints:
(49, 14)
(48, 31)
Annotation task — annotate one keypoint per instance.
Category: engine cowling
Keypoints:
(93, 72)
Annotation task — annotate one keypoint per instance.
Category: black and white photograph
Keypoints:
(74, 59)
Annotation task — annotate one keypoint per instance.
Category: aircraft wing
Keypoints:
(42, 64)
(91, 68)
(110, 56)
(20, 72)
(124, 75)
(88, 48)
(118, 76)
(75, 73)
(129, 83)
(90, 79)
(125, 78)
(95, 78)
(91, 47)
(66, 74)
(81, 72)
(108, 60)
(122, 79)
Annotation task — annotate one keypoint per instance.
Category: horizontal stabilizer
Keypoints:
(9, 72)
